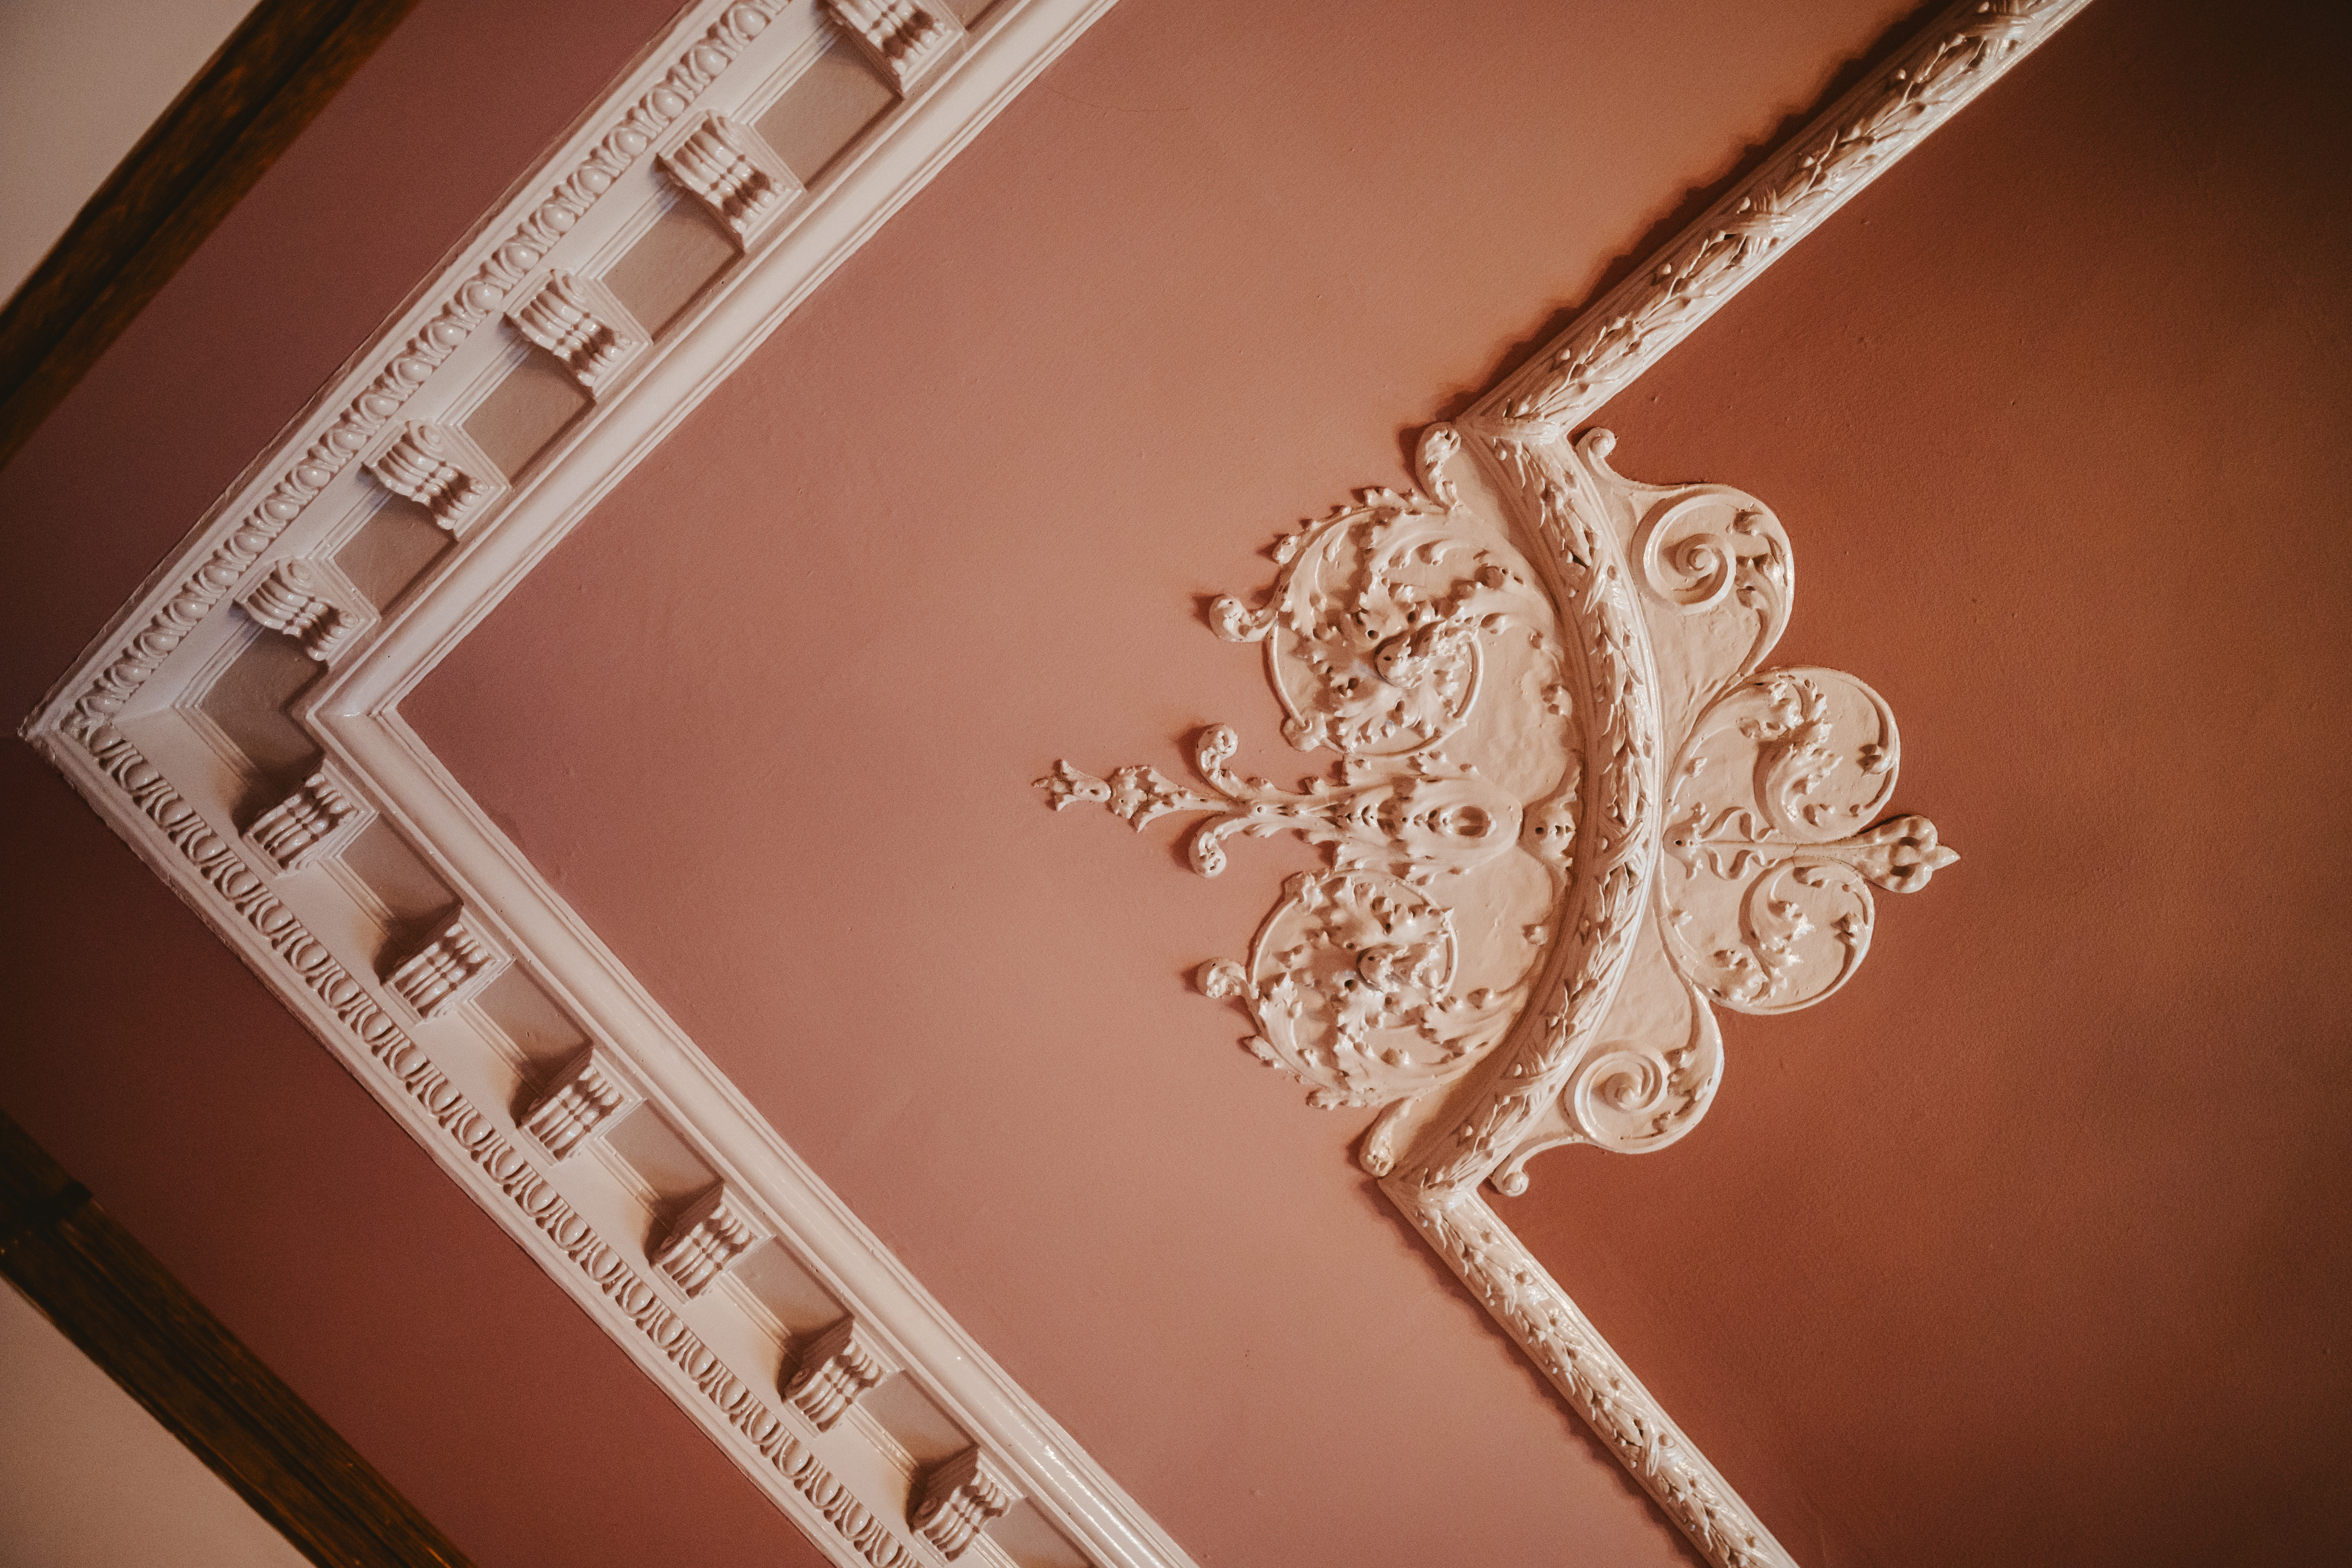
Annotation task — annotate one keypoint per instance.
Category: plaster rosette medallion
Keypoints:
(1579, 738)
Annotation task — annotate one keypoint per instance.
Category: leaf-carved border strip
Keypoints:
(1955, 57)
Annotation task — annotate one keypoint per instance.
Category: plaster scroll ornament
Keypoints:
(1556, 736)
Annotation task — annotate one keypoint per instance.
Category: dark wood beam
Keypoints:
(127, 1314)
(276, 71)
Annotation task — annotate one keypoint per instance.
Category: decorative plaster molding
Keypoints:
(959, 1498)
(728, 59)
(312, 824)
(1497, 804)
(736, 177)
(239, 902)
(313, 603)
(839, 1366)
(1709, 833)
(427, 339)
(706, 1240)
(453, 964)
(582, 326)
(905, 41)
(595, 193)
(585, 1096)
(441, 468)
(1965, 49)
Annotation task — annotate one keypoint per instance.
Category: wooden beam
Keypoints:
(126, 1312)
(277, 69)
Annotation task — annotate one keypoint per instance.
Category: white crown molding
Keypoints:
(415, 1000)
(423, 1036)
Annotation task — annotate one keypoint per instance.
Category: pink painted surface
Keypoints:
(768, 719)
(137, 1048)
(2033, 1245)
(2026, 1247)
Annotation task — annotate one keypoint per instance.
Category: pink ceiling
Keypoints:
(135, 1047)
(2033, 1243)
(2023, 1248)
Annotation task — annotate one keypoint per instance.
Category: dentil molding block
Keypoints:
(905, 41)
(705, 1239)
(317, 820)
(441, 468)
(587, 1094)
(582, 326)
(453, 965)
(958, 1497)
(735, 176)
(839, 1364)
(313, 603)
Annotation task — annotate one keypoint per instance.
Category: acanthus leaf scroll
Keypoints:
(1480, 696)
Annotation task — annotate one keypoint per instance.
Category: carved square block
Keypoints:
(582, 326)
(705, 1239)
(736, 176)
(958, 1497)
(441, 468)
(905, 41)
(313, 603)
(453, 965)
(314, 823)
(585, 1096)
(841, 1363)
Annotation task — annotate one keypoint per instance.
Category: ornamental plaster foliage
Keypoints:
(734, 174)
(1711, 834)
(587, 1094)
(453, 965)
(959, 1498)
(706, 1240)
(315, 823)
(582, 326)
(904, 41)
(838, 1366)
(441, 468)
(313, 603)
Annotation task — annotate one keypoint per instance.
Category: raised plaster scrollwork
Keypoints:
(1477, 740)
(1572, 813)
